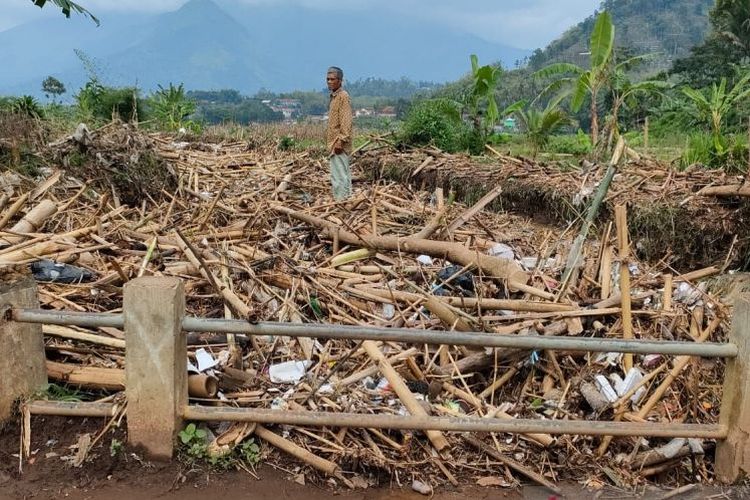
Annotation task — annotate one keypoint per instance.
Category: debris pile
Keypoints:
(256, 235)
(690, 217)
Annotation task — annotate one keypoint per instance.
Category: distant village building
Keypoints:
(364, 112)
(387, 112)
(290, 108)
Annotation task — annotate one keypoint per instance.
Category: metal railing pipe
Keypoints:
(457, 424)
(328, 331)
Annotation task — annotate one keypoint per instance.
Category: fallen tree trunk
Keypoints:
(493, 267)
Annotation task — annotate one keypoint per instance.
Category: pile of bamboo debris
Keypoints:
(691, 217)
(255, 234)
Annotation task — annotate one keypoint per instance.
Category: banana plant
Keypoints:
(719, 102)
(587, 82)
(484, 81)
(67, 7)
(625, 92)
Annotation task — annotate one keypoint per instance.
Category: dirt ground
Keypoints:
(125, 476)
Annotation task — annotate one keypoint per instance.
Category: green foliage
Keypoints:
(115, 447)
(578, 144)
(665, 27)
(482, 94)
(54, 392)
(67, 7)
(437, 122)
(727, 45)
(98, 102)
(586, 83)
(170, 107)
(728, 152)
(540, 124)
(250, 452)
(51, 86)
(712, 107)
(195, 449)
(27, 106)
(245, 112)
(286, 143)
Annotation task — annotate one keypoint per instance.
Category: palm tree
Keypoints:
(714, 107)
(587, 82)
(541, 124)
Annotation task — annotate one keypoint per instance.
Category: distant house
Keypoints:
(387, 112)
(290, 108)
(364, 112)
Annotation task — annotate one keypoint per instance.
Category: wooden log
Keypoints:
(402, 391)
(475, 209)
(493, 267)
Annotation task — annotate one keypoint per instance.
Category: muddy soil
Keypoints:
(123, 475)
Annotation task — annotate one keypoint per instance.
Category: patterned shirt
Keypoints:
(339, 121)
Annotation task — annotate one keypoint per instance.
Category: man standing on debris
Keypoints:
(339, 134)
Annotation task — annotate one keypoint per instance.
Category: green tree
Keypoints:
(587, 82)
(67, 7)
(714, 107)
(54, 87)
(727, 45)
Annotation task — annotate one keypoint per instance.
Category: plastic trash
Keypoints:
(463, 283)
(633, 378)
(605, 388)
(389, 311)
(502, 251)
(420, 487)
(425, 260)
(50, 271)
(205, 360)
(288, 372)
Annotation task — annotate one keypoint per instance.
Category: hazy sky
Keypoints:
(520, 23)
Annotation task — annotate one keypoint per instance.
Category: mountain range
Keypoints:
(220, 44)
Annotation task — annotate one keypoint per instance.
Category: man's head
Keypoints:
(334, 77)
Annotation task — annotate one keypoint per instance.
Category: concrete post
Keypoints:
(22, 362)
(733, 453)
(155, 363)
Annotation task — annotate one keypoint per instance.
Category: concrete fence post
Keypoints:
(22, 362)
(733, 453)
(155, 363)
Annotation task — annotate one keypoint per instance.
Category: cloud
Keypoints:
(520, 23)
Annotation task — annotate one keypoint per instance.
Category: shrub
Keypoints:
(437, 122)
(98, 102)
(579, 144)
(730, 153)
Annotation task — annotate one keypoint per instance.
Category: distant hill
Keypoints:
(229, 44)
(668, 28)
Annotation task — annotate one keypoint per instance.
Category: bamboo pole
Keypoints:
(403, 392)
(493, 267)
(623, 247)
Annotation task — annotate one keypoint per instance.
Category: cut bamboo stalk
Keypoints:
(202, 386)
(296, 451)
(13, 209)
(493, 267)
(69, 333)
(623, 245)
(667, 296)
(475, 209)
(90, 377)
(372, 370)
(403, 392)
(32, 221)
(605, 272)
